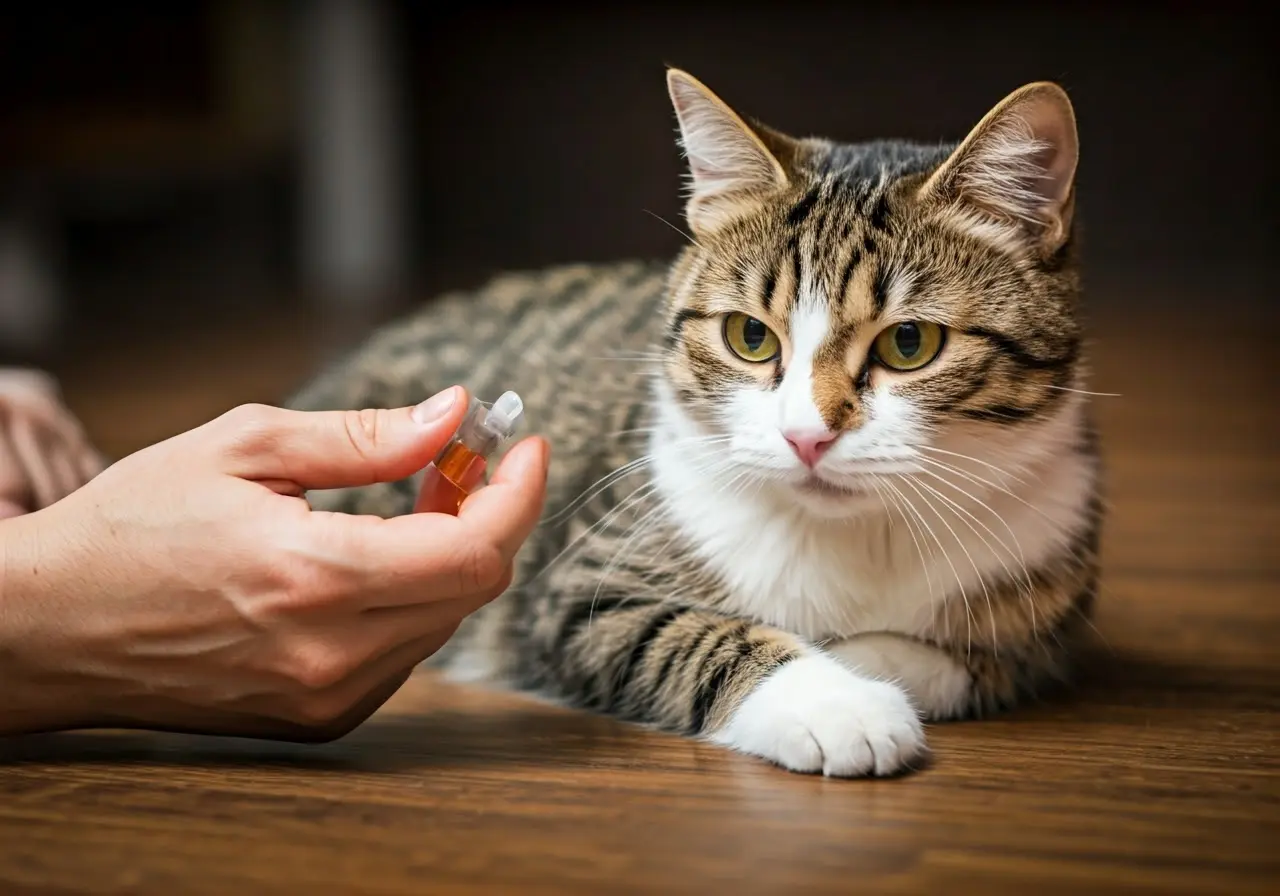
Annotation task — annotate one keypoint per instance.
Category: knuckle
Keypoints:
(364, 430)
(250, 415)
(304, 586)
(303, 574)
(317, 666)
(251, 427)
(279, 581)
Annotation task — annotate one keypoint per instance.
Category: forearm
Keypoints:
(646, 660)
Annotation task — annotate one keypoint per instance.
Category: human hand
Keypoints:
(44, 454)
(191, 587)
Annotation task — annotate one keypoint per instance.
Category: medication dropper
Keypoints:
(460, 465)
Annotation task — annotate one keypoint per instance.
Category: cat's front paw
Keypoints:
(814, 715)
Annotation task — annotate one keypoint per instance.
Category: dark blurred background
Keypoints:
(251, 182)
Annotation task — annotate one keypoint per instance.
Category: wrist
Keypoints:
(35, 693)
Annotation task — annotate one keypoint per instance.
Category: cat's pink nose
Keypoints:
(809, 445)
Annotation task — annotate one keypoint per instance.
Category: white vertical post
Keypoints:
(352, 220)
(31, 299)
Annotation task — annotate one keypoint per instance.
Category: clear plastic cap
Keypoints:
(504, 416)
(483, 430)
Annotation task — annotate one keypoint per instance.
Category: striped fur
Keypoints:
(690, 573)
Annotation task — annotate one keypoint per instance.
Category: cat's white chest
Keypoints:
(815, 578)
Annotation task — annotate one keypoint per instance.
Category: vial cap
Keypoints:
(505, 415)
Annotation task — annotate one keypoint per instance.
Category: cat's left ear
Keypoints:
(1017, 167)
(729, 164)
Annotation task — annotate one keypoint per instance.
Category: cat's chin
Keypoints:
(829, 500)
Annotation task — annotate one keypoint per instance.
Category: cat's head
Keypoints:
(846, 311)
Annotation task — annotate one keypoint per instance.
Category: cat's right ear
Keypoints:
(1016, 169)
(729, 165)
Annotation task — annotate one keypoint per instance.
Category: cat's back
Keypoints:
(519, 327)
(577, 342)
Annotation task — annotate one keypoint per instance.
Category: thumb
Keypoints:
(341, 449)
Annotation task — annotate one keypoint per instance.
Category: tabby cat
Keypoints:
(828, 475)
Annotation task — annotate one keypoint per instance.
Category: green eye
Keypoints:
(750, 339)
(909, 346)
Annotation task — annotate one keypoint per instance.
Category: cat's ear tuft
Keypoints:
(1018, 166)
(729, 164)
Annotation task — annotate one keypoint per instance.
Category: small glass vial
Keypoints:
(460, 465)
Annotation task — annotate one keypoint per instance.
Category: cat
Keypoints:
(827, 476)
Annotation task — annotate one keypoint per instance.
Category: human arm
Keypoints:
(191, 587)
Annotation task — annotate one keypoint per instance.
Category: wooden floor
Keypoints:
(1160, 773)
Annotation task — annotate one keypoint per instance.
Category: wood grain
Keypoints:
(1159, 772)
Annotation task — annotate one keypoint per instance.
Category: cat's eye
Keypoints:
(909, 345)
(750, 339)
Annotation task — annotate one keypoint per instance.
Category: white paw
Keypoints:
(813, 715)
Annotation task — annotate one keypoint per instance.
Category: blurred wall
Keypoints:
(162, 155)
(545, 132)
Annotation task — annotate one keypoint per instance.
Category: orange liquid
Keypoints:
(447, 483)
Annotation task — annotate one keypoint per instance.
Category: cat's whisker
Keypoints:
(641, 527)
(925, 528)
(1000, 488)
(1026, 588)
(1021, 556)
(678, 230)
(915, 523)
(976, 479)
(645, 523)
(980, 481)
(997, 470)
(638, 357)
(638, 430)
(1093, 626)
(706, 471)
(603, 522)
(598, 487)
(1081, 391)
(982, 579)
(959, 581)
(609, 479)
(890, 553)
(970, 520)
(888, 515)
(900, 502)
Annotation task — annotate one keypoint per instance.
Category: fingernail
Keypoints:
(435, 407)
